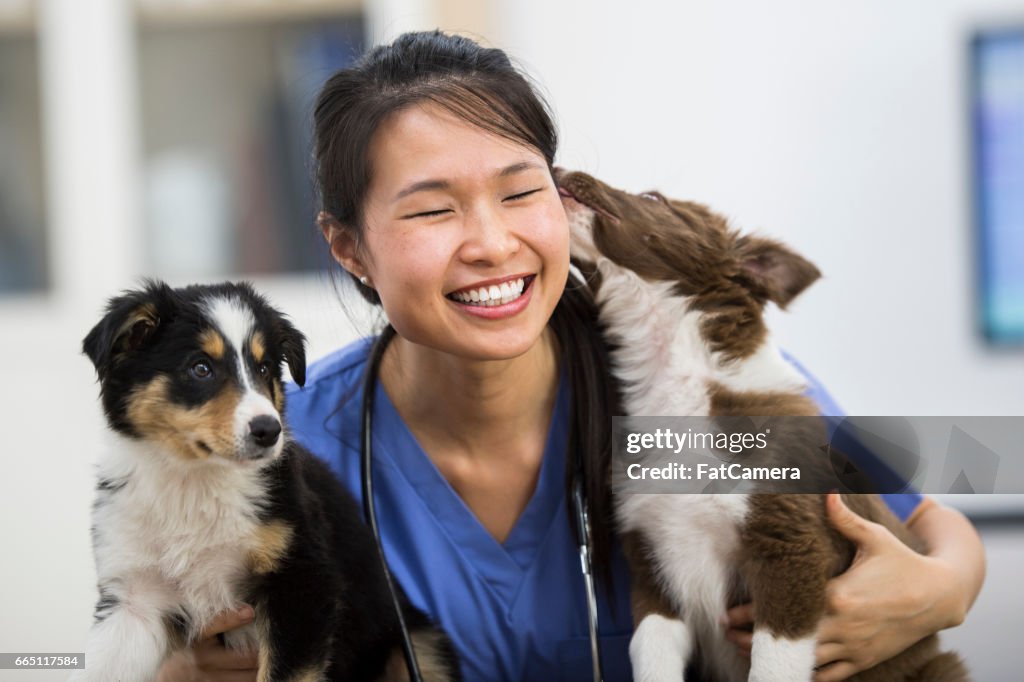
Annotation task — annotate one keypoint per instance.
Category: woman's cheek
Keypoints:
(554, 237)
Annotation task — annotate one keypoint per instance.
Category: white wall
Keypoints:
(837, 126)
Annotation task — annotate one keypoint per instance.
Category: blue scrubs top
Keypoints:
(514, 611)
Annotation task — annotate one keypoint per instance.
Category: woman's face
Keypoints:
(452, 214)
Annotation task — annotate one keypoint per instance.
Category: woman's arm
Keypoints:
(951, 538)
(890, 597)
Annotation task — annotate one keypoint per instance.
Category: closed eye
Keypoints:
(427, 214)
(523, 195)
(431, 214)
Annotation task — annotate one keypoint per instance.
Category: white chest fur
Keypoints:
(694, 540)
(177, 532)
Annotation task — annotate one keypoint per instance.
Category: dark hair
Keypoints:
(481, 86)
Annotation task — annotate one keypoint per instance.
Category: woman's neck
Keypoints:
(478, 407)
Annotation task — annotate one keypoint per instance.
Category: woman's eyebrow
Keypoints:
(518, 168)
(424, 185)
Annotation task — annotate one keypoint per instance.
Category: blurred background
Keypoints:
(170, 138)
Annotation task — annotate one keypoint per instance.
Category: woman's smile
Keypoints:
(503, 298)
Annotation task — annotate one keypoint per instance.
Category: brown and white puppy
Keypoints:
(682, 298)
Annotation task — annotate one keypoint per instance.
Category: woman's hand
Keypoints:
(887, 600)
(208, 660)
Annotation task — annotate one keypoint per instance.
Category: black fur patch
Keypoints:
(105, 606)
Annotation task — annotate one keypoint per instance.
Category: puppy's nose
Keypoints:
(264, 429)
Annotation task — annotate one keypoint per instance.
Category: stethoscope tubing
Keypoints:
(366, 471)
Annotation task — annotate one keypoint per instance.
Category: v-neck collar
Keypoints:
(502, 565)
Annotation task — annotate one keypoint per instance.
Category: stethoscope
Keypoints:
(366, 471)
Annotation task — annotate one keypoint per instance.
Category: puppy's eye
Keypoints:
(264, 370)
(653, 196)
(201, 370)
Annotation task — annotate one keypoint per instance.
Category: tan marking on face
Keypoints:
(258, 347)
(272, 541)
(190, 433)
(278, 396)
(212, 343)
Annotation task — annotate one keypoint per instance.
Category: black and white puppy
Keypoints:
(204, 502)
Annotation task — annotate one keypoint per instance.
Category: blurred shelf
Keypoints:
(990, 508)
(17, 17)
(159, 13)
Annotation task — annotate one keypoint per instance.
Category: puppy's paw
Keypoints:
(777, 659)
(660, 649)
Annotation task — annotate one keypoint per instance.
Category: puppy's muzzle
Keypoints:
(264, 430)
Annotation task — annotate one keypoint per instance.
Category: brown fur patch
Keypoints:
(258, 346)
(272, 541)
(191, 433)
(726, 403)
(787, 559)
(646, 595)
(212, 343)
(433, 665)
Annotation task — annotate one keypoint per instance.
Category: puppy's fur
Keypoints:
(204, 502)
(682, 297)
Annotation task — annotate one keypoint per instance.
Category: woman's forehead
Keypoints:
(426, 143)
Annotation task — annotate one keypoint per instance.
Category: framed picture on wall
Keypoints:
(997, 130)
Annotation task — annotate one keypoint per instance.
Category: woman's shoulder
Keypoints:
(338, 365)
(332, 389)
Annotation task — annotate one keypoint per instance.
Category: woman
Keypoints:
(434, 163)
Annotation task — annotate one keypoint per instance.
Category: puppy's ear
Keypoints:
(293, 348)
(779, 272)
(128, 325)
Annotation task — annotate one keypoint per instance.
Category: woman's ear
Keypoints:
(342, 242)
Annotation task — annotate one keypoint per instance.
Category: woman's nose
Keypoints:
(489, 237)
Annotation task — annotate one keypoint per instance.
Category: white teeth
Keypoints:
(493, 295)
